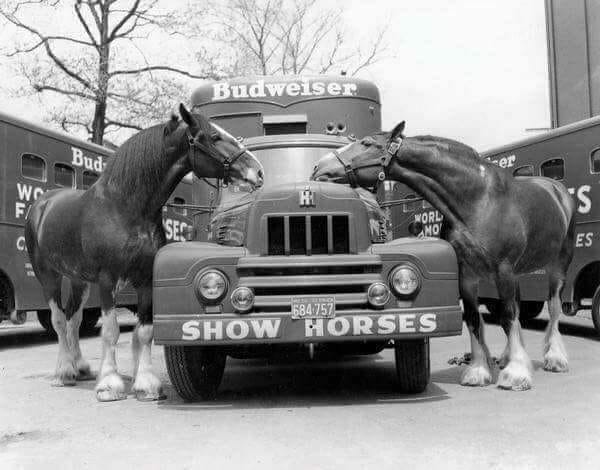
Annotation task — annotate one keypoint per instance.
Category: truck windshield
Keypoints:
(281, 165)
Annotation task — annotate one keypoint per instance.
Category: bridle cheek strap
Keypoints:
(226, 161)
(384, 162)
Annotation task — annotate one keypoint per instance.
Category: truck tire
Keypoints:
(529, 309)
(87, 327)
(195, 371)
(412, 364)
(596, 310)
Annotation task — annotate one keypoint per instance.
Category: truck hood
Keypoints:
(229, 223)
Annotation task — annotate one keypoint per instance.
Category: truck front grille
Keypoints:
(308, 235)
(275, 280)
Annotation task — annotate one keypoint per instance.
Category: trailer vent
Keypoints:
(308, 235)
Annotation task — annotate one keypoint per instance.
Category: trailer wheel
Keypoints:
(529, 309)
(596, 310)
(88, 322)
(412, 364)
(195, 371)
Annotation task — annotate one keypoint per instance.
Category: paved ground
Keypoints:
(307, 415)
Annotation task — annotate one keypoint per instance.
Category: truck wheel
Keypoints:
(88, 322)
(596, 310)
(529, 309)
(412, 364)
(195, 371)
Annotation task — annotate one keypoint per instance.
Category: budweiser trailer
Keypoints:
(570, 154)
(298, 264)
(34, 159)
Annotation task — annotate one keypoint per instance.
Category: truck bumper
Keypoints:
(268, 328)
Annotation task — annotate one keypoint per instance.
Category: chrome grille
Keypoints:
(308, 235)
(275, 280)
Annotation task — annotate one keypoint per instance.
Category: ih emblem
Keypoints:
(307, 198)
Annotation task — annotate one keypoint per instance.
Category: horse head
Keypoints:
(214, 153)
(362, 163)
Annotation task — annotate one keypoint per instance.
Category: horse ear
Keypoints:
(398, 131)
(186, 116)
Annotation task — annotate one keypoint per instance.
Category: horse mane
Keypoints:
(142, 159)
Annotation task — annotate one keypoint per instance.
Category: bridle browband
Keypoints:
(225, 160)
(383, 162)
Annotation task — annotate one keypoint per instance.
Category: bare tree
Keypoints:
(100, 69)
(294, 36)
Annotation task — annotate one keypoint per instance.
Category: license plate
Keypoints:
(313, 307)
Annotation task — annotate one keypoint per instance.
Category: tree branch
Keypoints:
(158, 67)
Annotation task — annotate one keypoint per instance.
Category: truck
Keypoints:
(298, 263)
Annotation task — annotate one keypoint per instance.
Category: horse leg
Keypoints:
(478, 371)
(110, 386)
(146, 385)
(517, 374)
(74, 313)
(555, 356)
(66, 372)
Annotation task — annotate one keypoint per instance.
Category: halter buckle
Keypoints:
(393, 148)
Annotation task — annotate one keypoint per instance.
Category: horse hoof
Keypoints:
(144, 396)
(476, 376)
(556, 364)
(111, 388)
(147, 387)
(110, 395)
(515, 377)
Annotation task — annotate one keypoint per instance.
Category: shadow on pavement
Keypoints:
(567, 326)
(19, 337)
(351, 380)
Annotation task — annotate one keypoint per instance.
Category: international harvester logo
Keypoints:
(307, 198)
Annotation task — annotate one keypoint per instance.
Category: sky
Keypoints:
(471, 70)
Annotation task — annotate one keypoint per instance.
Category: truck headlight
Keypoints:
(378, 294)
(242, 299)
(405, 280)
(210, 286)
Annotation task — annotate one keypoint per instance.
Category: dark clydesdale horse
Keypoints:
(110, 234)
(500, 227)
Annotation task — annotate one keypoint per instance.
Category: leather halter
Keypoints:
(225, 160)
(383, 162)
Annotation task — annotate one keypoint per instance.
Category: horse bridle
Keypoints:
(226, 161)
(383, 162)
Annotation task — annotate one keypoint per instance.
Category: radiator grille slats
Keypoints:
(308, 235)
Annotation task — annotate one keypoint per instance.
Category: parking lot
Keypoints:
(298, 413)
